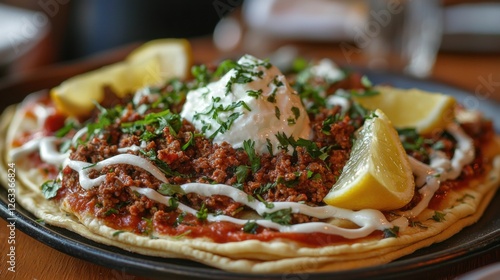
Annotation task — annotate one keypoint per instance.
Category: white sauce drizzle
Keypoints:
(42, 112)
(133, 148)
(464, 152)
(79, 134)
(47, 147)
(84, 168)
(49, 152)
(429, 177)
(26, 149)
(146, 91)
(368, 220)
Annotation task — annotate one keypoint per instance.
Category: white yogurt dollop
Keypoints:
(251, 101)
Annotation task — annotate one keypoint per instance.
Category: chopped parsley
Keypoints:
(111, 211)
(299, 64)
(413, 142)
(272, 97)
(118, 232)
(254, 93)
(201, 74)
(105, 119)
(163, 166)
(242, 172)
(68, 126)
(277, 112)
(269, 205)
(363, 93)
(249, 147)
(179, 219)
(358, 111)
(182, 235)
(214, 113)
(170, 189)
(282, 217)
(327, 123)
(173, 203)
(296, 112)
(366, 82)
(289, 183)
(265, 188)
(65, 146)
(189, 143)
(463, 198)
(310, 146)
(391, 232)
(50, 188)
(224, 67)
(244, 73)
(438, 216)
(417, 224)
(159, 121)
(250, 227)
(148, 226)
(202, 214)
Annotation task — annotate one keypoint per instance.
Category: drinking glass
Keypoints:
(401, 35)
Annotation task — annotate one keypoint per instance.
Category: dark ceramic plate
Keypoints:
(480, 238)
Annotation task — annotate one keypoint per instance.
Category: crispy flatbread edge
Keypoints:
(202, 251)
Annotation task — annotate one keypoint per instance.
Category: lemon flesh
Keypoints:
(162, 59)
(412, 108)
(152, 63)
(378, 174)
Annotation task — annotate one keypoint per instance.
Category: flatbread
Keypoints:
(462, 207)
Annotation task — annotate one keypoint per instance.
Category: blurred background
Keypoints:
(41, 32)
(37, 33)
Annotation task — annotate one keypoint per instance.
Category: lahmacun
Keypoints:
(230, 167)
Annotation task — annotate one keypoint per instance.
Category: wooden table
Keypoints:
(476, 73)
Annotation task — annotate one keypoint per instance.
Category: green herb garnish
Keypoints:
(249, 147)
(282, 217)
(391, 232)
(50, 188)
(202, 214)
(170, 189)
(438, 216)
(250, 227)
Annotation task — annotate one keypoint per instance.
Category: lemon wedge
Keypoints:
(412, 108)
(162, 59)
(152, 63)
(378, 174)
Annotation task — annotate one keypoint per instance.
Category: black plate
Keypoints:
(482, 237)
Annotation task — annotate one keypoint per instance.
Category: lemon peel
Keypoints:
(412, 108)
(151, 63)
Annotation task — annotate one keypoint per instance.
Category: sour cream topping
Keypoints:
(251, 101)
